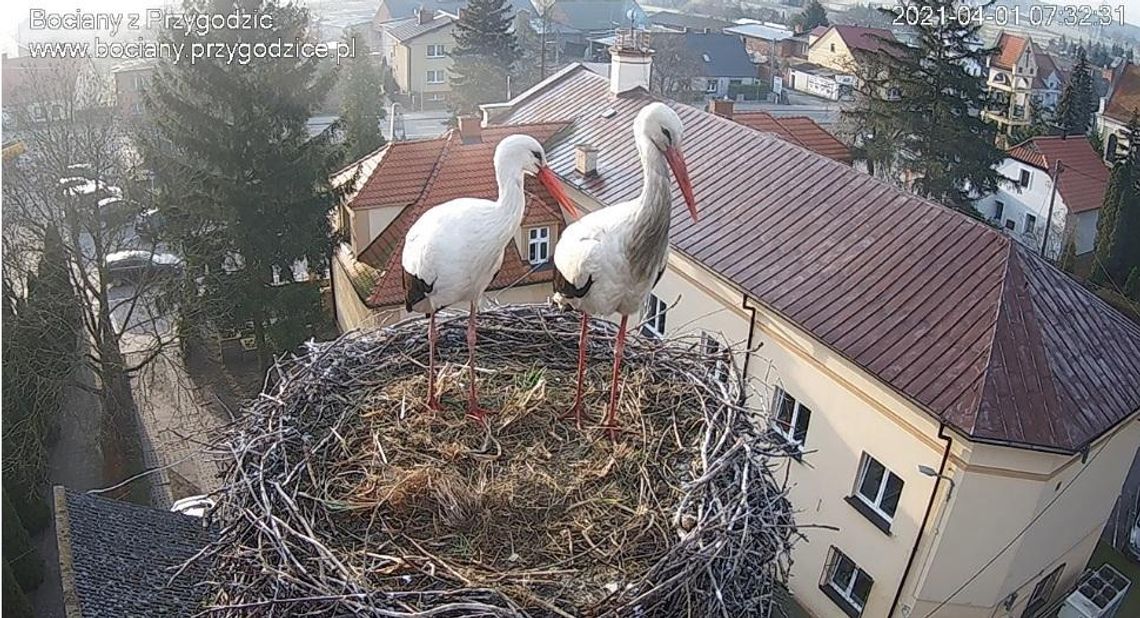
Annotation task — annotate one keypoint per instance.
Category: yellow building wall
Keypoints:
(840, 59)
(412, 63)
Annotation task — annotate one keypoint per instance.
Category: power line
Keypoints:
(1018, 535)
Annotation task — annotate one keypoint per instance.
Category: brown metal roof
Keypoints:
(945, 309)
(1085, 176)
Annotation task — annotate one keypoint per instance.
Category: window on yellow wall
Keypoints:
(1042, 592)
(718, 357)
(790, 419)
(877, 492)
(847, 585)
(655, 309)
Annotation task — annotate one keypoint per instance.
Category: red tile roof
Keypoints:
(458, 170)
(859, 38)
(395, 175)
(936, 305)
(799, 130)
(1125, 97)
(1009, 50)
(1085, 175)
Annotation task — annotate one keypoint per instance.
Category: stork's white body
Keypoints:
(595, 251)
(457, 247)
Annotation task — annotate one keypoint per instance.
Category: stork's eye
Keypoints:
(537, 155)
(668, 135)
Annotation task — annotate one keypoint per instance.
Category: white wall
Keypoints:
(1032, 200)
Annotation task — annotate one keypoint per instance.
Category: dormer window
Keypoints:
(538, 245)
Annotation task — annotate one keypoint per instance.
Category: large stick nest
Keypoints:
(347, 496)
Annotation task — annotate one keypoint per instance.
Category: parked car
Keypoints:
(134, 266)
(195, 506)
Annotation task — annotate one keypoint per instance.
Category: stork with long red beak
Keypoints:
(453, 251)
(609, 260)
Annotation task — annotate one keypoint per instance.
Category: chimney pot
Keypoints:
(470, 129)
(586, 160)
(721, 107)
(630, 61)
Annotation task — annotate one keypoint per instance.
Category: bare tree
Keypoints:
(77, 174)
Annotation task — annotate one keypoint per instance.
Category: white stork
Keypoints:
(609, 260)
(454, 250)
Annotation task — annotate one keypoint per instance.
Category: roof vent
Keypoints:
(586, 160)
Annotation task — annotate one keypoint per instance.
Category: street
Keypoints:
(420, 125)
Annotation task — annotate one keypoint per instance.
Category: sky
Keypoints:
(13, 12)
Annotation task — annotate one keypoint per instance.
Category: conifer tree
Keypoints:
(813, 15)
(242, 184)
(1068, 260)
(1118, 225)
(362, 103)
(1078, 100)
(926, 101)
(486, 50)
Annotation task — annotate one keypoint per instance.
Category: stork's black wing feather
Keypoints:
(415, 290)
(569, 290)
(658, 279)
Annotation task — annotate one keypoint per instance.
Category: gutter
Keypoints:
(925, 518)
(751, 337)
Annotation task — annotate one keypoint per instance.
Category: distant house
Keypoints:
(38, 90)
(390, 188)
(130, 79)
(725, 63)
(1122, 101)
(417, 51)
(1021, 79)
(1023, 209)
(798, 130)
(769, 42)
(835, 58)
(390, 10)
(683, 21)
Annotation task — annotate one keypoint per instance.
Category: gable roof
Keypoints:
(1045, 67)
(723, 54)
(679, 20)
(597, 15)
(934, 304)
(1009, 50)
(416, 176)
(799, 130)
(118, 558)
(1083, 181)
(1125, 96)
(407, 30)
(862, 39)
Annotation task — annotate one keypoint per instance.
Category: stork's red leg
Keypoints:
(576, 409)
(473, 409)
(610, 423)
(433, 397)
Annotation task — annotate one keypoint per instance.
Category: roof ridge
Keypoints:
(992, 338)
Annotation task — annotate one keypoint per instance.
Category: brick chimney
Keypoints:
(630, 61)
(586, 160)
(721, 107)
(470, 129)
(423, 16)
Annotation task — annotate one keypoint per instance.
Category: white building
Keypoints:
(1021, 77)
(1022, 208)
(1115, 109)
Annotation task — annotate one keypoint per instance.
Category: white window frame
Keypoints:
(712, 86)
(655, 310)
(797, 405)
(431, 72)
(847, 592)
(999, 210)
(1025, 178)
(1030, 228)
(439, 49)
(712, 348)
(538, 239)
(875, 503)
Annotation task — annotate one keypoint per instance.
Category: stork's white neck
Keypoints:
(649, 233)
(512, 197)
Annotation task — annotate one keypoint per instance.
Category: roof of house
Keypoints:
(1085, 176)
(799, 130)
(946, 310)
(724, 55)
(407, 30)
(400, 9)
(1009, 50)
(862, 39)
(416, 176)
(1124, 100)
(596, 15)
(1046, 66)
(118, 558)
(678, 20)
(762, 31)
(819, 31)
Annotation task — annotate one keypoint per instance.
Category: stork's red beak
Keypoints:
(681, 173)
(550, 181)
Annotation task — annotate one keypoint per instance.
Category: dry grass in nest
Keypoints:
(348, 497)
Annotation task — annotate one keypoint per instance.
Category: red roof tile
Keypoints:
(1009, 50)
(1125, 97)
(799, 130)
(1085, 175)
(459, 170)
(935, 304)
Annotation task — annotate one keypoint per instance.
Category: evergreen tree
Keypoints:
(925, 101)
(242, 184)
(1132, 285)
(1078, 100)
(813, 15)
(362, 103)
(1118, 226)
(485, 51)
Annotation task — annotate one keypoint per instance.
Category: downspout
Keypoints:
(925, 518)
(751, 334)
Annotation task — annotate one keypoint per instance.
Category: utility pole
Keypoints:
(1058, 167)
